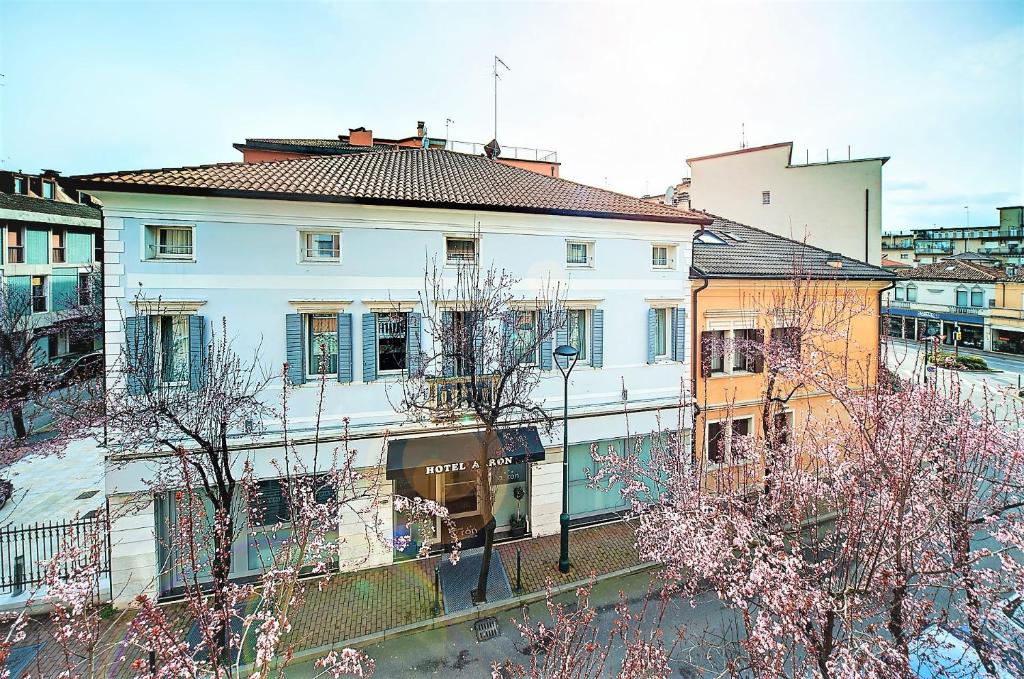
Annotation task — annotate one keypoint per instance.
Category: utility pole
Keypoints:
(497, 77)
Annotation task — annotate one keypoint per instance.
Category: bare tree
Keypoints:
(487, 343)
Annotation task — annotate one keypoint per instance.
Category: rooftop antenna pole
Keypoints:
(447, 136)
(497, 77)
(743, 135)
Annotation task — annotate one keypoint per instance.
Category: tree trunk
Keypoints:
(480, 594)
(18, 418)
(487, 514)
(220, 570)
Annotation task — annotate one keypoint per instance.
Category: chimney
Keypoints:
(421, 128)
(360, 136)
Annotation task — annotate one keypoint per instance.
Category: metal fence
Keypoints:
(26, 550)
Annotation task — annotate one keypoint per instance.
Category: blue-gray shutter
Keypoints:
(562, 337)
(597, 338)
(138, 354)
(545, 344)
(447, 344)
(413, 343)
(679, 334)
(479, 329)
(652, 329)
(345, 348)
(196, 351)
(296, 350)
(369, 347)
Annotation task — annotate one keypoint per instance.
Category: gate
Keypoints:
(26, 550)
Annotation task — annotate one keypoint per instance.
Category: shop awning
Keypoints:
(442, 454)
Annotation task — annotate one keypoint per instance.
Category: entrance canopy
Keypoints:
(460, 452)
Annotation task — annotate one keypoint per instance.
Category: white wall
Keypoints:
(824, 202)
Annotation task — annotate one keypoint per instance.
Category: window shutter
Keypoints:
(479, 328)
(138, 354)
(369, 347)
(196, 351)
(509, 351)
(295, 349)
(413, 343)
(545, 343)
(345, 348)
(679, 334)
(597, 338)
(652, 329)
(757, 351)
(448, 341)
(562, 337)
(706, 349)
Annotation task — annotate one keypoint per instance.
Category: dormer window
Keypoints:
(48, 189)
(20, 185)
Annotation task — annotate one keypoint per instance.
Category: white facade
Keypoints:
(917, 308)
(246, 266)
(836, 206)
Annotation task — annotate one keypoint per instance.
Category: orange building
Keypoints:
(361, 140)
(753, 290)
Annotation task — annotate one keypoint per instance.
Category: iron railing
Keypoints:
(25, 550)
(453, 394)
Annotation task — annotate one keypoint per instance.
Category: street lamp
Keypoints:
(565, 352)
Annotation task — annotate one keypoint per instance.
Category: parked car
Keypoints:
(74, 369)
(6, 491)
(948, 652)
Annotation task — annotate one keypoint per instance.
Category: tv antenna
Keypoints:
(447, 137)
(743, 135)
(497, 77)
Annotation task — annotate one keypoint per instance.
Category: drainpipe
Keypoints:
(693, 357)
(882, 329)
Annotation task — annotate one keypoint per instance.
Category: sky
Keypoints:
(624, 92)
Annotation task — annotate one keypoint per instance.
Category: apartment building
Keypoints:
(50, 258)
(742, 279)
(1003, 243)
(335, 246)
(834, 205)
(898, 247)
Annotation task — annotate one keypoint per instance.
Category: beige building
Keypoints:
(836, 206)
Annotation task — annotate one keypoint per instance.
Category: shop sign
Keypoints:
(463, 466)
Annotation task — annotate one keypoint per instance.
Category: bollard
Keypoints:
(519, 569)
(152, 663)
(437, 590)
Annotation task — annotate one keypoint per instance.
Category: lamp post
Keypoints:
(565, 352)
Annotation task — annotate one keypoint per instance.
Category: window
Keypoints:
(48, 189)
(57, 247)
(84, 289)
(722, 440)
(38, 294)
(392, 329)
(740, 350)
(663, 256)
(20, 186)
(460, 250)
(977, 297)
(911, 293)
(766, 198)
(661, 332)
(170, 242)
(579, 253)
(783, 423)
(15, 246)
(460, 496)
(899, 293)
(170, 340)
(961, 297)
(321, 344)
(577, 334)
(271, 506)
(787, 341)
(714, 351)
(904, 255)
(524, 340)
(724, 352)
(320, 246)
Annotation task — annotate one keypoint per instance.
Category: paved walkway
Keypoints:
(352, 605)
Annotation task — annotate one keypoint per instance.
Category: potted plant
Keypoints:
(517, 522)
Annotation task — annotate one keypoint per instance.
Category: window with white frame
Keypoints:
(579, 253)
(898, 293)
(663, 256)
(48, 189)
(578, 332)
(39, 296)
(961, 296)
(84, 288)
(20, 185)
(726, 352)
(171, 349)
(911, 293)
(977, 297)
(170, 242)
(392, 335)
(723, 440)
(57, 254)
(461, 250)
(15, 245)
(320, 246)
(321, 344)
(524, 337)
(783, 428)
(662, 332)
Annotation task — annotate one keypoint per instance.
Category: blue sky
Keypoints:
(624, 92)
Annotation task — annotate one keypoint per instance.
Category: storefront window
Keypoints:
(894, 326)
(585, 501)
(1008, 341)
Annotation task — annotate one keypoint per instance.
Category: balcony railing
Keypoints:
(921, 248)
(899, 304)
(507, 152)
(170, 251)
(454, 394)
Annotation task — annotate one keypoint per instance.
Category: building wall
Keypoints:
(824, 203)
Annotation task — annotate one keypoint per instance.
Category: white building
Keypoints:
(339, 244)
(836, 206)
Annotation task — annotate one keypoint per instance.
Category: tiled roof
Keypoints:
(411, 177)
(324, 146)
(14, 201)
(895, 264)
(749, 252)
(955, 270)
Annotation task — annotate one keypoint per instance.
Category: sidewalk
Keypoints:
(359, 607)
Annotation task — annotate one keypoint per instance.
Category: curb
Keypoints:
(449, 619)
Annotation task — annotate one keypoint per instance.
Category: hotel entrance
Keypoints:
(449, 470)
